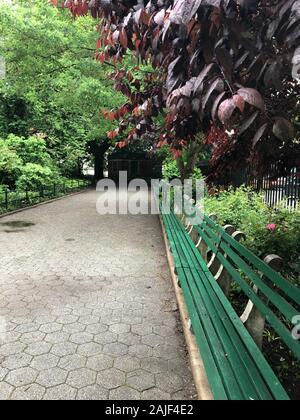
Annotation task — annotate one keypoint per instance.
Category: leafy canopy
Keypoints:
(53, 85)
(224, 67)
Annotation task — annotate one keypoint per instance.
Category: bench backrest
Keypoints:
(269, 297)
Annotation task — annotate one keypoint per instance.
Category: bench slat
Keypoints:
(279, 327)
(289, 289)
(240, 362)
(230, 322)
(287, 310)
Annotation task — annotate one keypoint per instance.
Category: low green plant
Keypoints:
(268, 231)
(34, 177)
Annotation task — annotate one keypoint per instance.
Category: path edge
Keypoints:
(197, 366)
(53, 200)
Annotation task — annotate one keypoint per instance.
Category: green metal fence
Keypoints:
(13, 200)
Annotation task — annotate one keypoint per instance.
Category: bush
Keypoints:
(170, 170)
(34, 177)
(268, 231)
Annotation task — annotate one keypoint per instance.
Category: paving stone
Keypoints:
(89, 349)
(12, 348)
(81, 338)
(169, 382)
(38, 348)
(106, 338)
(129, 339)
(57, 337)
(5, 391)
(10, 337)
(124, 393)
(119, 328)
(81, 378)
(143, 329)
(155, 394)
(32, 337)
(73, 328)
(115, 349)
(46, 361)
(51, 328)
(93, 393)
(140, 380)
(61, 393)
(64, 349)
(89, 319)
(127, 363)
(17, 361)
(27, 328)
(111, 378)
(67, 319)
(97, 328)
(163, 331)
(72, 362)
(22, 376)
(140, 350)
(52, 377)
(155, 365)
(152, 340)
(3, 372)
(100, 362)
(33, 392)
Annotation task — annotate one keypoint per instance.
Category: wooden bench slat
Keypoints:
(289, 289)
(279, 302)
(250, 367)
(242, 343)
(276, 323)
(206, 351)
(263, 366)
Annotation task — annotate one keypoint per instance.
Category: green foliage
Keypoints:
(9, 164)
(268, 231)
(53, 85)
(170, 168)
(34, 177)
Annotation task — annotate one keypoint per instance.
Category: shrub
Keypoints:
(34, 177)
(170, 170)
(268, 231)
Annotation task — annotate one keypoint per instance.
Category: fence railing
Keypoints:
(284, 190)
(13, 200)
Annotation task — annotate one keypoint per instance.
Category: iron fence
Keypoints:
(13, 200)
(278, 190)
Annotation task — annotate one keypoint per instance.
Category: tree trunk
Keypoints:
(99, 165)
(98, 148)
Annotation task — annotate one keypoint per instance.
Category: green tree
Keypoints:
(53, 85)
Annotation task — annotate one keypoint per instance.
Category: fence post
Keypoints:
(54, 190)
(42, 192)
(27, 195)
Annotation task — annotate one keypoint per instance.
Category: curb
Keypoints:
(53, 200)
(197, 366)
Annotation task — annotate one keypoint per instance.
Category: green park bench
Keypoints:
(209, 260)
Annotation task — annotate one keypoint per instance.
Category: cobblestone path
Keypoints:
(87, 309)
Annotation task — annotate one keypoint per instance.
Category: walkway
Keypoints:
(88, 307)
